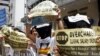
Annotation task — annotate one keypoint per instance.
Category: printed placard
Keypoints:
(77, 42)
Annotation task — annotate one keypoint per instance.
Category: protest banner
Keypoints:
(15, 38)
(44, 8)
(77, 42)
(18, 40)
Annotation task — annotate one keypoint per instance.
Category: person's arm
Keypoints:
(2, 36)
(56, 52)
(30, 15)
(98, 39)
(55, 47)
(28, 26)
(59, 21)
(30, 36)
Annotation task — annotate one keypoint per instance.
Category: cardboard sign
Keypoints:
(77, 42)
(43, 9)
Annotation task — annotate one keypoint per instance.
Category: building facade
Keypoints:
(4, 4)
(17, 9)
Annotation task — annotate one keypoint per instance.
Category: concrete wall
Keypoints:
(19, 11)
(92, 10)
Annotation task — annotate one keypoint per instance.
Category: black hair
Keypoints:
(78, 24)
(44, 31)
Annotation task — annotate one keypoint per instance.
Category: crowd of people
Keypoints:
(42, 40)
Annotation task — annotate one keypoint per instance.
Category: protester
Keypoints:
(34, 36)
(34, 39)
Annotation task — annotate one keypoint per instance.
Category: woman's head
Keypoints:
(44, 30)
(33, 31)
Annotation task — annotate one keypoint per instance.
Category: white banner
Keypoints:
(43, 9)
(77, 42)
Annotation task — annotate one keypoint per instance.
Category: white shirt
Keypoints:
(45, 46)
